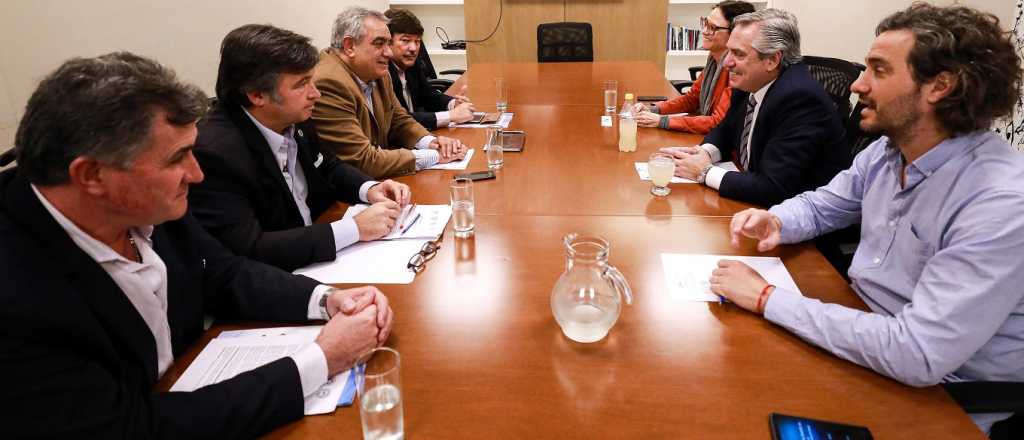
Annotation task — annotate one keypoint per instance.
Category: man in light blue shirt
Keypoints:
(941, 209)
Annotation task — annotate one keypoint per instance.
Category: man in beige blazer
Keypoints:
(381, 138)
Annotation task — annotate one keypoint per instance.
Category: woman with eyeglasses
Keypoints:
(707, 101)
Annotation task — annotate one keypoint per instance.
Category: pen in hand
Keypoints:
(413, 222)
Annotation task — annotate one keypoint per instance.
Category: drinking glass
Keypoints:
(611, 96)
(380, 395)
(501, 94)
(462, 206)
(495, 151)
(660, 167)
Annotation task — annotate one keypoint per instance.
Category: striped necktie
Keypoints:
(748, 125)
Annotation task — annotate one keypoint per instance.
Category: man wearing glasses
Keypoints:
(782, 128)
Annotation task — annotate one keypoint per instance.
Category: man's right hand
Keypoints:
(461, 113)
(377, 220)
(347, 337)
(758, 224)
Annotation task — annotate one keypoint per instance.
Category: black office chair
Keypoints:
(439, 84)
(836, 76)
(7, 157)
(993, 397)
(682, 84)
(565, 42)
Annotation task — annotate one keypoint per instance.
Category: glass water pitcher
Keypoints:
(587, 298)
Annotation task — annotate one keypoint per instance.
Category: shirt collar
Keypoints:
(759, 94)
(274, 139)
(96, 249)
(946, 150)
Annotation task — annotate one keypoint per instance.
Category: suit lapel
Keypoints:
(258, 146)
(396, 85)
(107, 301)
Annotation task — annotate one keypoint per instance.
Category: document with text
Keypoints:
(233, 353)
(687, 275)
(416, 221)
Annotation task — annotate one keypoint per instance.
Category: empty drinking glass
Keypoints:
(462, 206)
(380, 395)
(494, 147)
(611, 96)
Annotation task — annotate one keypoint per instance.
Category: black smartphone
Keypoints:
(479, 175)
(651, 98)
(799, 428)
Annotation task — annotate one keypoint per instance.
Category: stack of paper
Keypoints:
(455, 165)
(688, 275)
(235, 352)
(641, 170)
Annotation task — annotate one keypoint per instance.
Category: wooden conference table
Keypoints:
(482, 356)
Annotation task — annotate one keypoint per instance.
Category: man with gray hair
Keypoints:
(782, 128)
(358, 115)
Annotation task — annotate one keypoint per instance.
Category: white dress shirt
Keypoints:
(145, 285)
(443, 118)
(715, 174)
(425, 157)
(286, 151)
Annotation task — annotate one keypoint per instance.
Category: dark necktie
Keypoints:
(748, 125)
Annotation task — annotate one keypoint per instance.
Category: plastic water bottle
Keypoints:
(627, 125)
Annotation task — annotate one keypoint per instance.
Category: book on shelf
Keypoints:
(683, 37)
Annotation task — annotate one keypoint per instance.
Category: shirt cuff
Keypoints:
(663, 122)
(365, 188)
(313, 309)
(424, 142)
(713, 151)
(443, 118)
(779, 307)
(345, 233)
(312, 365)
(786, 235)
(452, 103)
(714, 177)
(426, 158)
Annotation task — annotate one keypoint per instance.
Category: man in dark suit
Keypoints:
(781, 128)
(427, 106)
(107, 277)
(267, 179)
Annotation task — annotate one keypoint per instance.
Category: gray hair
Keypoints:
(778, 31)
(350, 24)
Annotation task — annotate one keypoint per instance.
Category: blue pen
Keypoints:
(413, 222)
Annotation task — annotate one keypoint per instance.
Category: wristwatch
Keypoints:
(323, 304)
(702, 177)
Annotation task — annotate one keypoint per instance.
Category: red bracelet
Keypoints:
(760, 299)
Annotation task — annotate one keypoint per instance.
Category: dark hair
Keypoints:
(403, 21)
(969, 44)
(731, 9)
(253, 56)
(101, 108)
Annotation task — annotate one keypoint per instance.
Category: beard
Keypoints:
(896, 119)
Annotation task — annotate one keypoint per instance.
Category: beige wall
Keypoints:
(845, 29)
(38, 35)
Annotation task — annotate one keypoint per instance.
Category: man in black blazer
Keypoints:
(267, 179)
(107, 278)
(427, 106)
(782, 128)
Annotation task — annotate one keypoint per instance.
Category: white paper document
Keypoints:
(641, 170)
(374, 262)
(687, 275)
(503, 121)
(455, 165)
(237, 352)
(416, 221)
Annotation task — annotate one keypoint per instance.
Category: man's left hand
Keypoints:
(389, 190)
(689, 165)
(448, 147)
(739, 283)
(352, 301)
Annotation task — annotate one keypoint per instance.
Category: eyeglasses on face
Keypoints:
(427, 252)
(710, 28)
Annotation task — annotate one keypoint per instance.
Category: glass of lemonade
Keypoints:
(380, 395)
(660, 167)
(494, 147)
(462, 206)
(611, 96)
